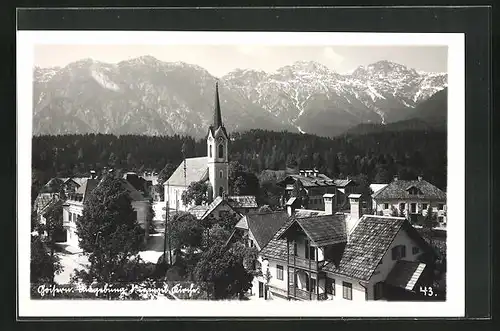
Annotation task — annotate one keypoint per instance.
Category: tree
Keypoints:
(108, 230)
(197, 193)
(43, 266)
(53, 224)
(225, 269)
(185, 231)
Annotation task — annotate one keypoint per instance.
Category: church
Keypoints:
(213, 167)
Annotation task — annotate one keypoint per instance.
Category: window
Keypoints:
(221, 174)
(135, 215)
(402, 205)
(441, 219)
(386, 206)
(210, 149)
(440, 206)
(221, 151)
(347, 290)
(312, 253)
(279, 272)
(295, 249)
(261, 289)
(312, 284)
(378, 290)
(413, 207)
(399, 252)
(330, 286)
(415, 250)
(425, 206)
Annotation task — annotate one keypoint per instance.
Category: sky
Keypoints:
(221, 59)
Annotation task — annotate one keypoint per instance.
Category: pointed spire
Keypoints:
(217, 115)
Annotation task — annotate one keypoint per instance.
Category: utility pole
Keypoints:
(167, 214)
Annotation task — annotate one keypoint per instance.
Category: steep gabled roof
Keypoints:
(276, 248)
(366, 246)
(321, 230)
(399, 189)
(196, 170)
(264, 225)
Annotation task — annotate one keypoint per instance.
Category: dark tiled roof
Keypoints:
(322, 230)
(242, 201)
(366, 246)
(87, 186)
(264, 225)
(343, 182)
(310, 181)
(276, 248)
(196, 170)
(134, 194)
(211, 207)
(398, 189)
(405, 274)
(308, 213)
(198, 211)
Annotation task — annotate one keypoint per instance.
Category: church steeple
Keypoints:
(217, 115)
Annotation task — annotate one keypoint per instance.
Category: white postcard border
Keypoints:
(453, 307)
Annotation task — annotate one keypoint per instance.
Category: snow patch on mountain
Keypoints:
(104, 81)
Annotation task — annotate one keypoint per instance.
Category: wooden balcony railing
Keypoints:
(300, 262)
(301, 294)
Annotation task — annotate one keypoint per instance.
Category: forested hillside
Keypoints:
(378, 155)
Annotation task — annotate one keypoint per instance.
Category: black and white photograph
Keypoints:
(242, 173)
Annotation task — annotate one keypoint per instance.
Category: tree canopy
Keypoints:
(196, 193)
(108, 230)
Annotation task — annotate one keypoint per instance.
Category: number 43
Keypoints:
(427, 291)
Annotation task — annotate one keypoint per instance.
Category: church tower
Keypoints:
(217, 151)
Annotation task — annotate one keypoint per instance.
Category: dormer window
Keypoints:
(414, 191)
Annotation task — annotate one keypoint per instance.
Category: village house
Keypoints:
(334, 256)
(212, 169)
(215, 210)
(315, 185)
(413, 197)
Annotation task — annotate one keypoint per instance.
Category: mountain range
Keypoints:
(148, 96)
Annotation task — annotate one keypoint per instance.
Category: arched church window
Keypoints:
(210, 149)
(221, 174)
(221, 191)
(221, 151)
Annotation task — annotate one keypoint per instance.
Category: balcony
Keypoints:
(300, 262)
(302, 294)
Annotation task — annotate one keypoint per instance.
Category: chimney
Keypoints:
(396, 177)
(328, 199)
(420, 177)
(301, 172)
(290, 209)
(93, 174)
(356, 212)
(316, 172)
